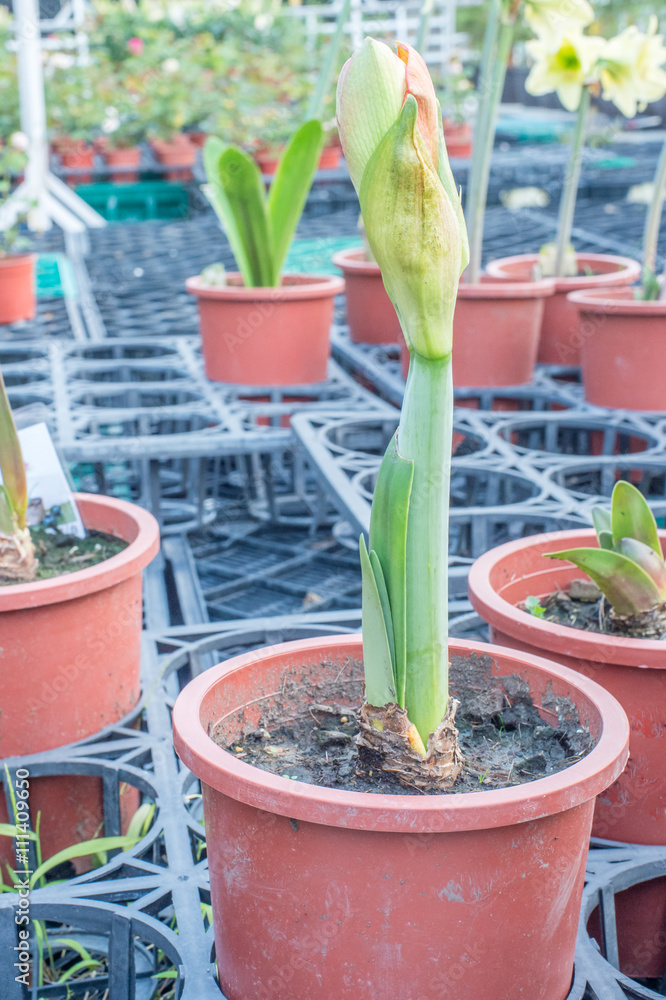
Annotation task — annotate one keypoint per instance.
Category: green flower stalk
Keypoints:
(390, 126)
(17, 552)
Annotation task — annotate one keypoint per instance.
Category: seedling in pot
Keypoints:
(628, 567)
(17, 552)
(390, 126)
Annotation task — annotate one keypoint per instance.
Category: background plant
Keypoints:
(17, 552)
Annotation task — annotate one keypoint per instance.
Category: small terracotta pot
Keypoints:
(561, 339)
(267, 336)
(80, 157)
(17, 288)
(496, 332)
(331, 157)
(71, 660)
(623, 353)
(458, 138)
(370, 313)
(320, 892)
(130, 157)
(177, 153)
(633, 670)
(267, 160)
(197, 138)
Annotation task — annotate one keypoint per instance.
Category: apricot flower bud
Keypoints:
(390, 126)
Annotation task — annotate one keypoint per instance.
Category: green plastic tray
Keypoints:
(137, 202)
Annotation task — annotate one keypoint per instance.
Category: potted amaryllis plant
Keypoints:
(628, 70)
(17, 266)
(623, 349)
(398, 869)
(260, 326)
(70, 620)
(610, 628)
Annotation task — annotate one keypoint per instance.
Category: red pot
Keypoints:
(267, 336)
(560, 336)
(320, 893)
(458, 138)
(130, 157)
(179, 154)
(331, 158)
(71, 660)
(496, 332)
(80, 158)
(198, 138)
(633, 670)
(267, 161)
(623, 353)
(17, 288)
(370, 313)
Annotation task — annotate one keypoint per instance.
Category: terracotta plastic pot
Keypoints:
(80, 158)
(320, 893)
(71, 662)
(561, 338)
(267, 161)
(458, 138)
(633, 670)
(17, 288)
(130, 157)
(623, 353)
(179, 154)
(331, 157)
(496, 332)
(267, 336)
(198, 138)
(370, 313)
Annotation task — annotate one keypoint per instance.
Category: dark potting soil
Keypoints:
(59, 553)
(504, 739)
(585, 608)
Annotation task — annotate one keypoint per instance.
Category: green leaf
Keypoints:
(81, 850)
(87, 961)
(140, 822)
(632, 518)
(601, 519)
(7, 525)
(377, 659)
(11, 461)
(628, 587)
(605, 539)
(446, 177)
(236, 191)
(388, 538)
(328, 66)
(647, 559)
(290, 188)
(9, 830)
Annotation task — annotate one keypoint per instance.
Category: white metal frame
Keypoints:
(42, 196)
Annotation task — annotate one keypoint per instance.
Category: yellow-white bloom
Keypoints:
(564, 65)
(632, 73)
(553, 19)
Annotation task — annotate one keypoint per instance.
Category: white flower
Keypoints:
(20, 141)
(631, 71)
(61, 60)
(553, 19)
(110, 125)
(170, 66)
(564, 65)
(263, 21)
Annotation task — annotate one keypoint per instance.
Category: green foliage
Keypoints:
(259, 228)
(628, 567)
(533, 605)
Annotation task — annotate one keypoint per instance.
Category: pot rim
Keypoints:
(400, 813)
(611, 301)
(301, 286)
(624, 264)
(355, 261)
(140, 551)
(554, 638)
(507, 289)
(16, 259)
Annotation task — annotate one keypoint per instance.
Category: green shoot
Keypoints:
(628, 567)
